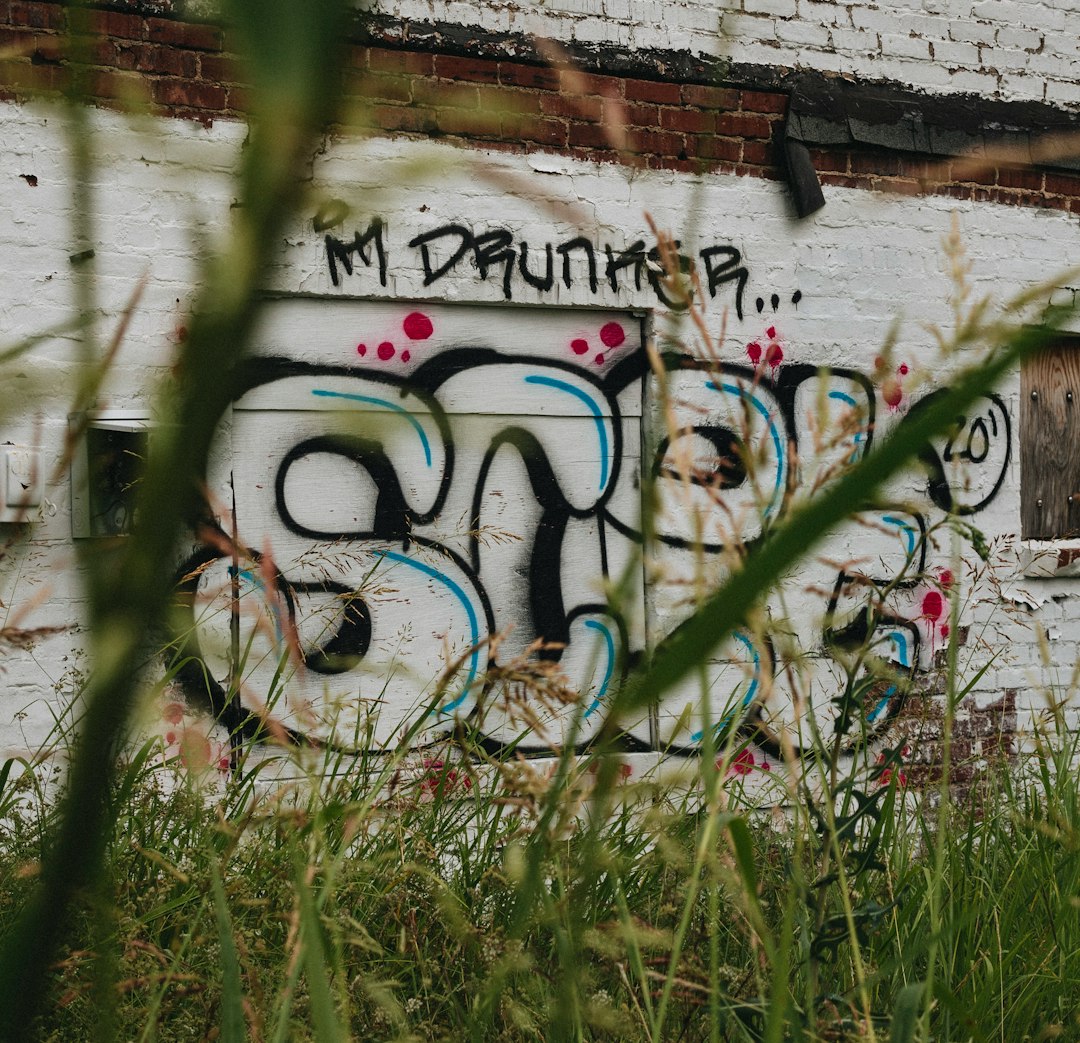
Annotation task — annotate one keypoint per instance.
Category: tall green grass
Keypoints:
(442, 895)
(384, 902)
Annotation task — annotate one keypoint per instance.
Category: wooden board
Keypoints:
(1050, 443)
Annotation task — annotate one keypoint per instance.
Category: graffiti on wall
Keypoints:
(513, 262)
(435, 520)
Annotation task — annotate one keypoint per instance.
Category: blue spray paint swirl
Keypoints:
(474, 626)
(598, 417)
(778, 444)
(610, 641)
(750, 691)
(393, 406)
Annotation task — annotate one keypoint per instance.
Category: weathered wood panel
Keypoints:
(1050, 443)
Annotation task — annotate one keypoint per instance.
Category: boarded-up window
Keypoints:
(1050, 443)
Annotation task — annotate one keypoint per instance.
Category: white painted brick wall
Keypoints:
(860, 263)
(806, 33)
(1020, 48)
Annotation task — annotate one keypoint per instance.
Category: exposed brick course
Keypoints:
(188, 69)
(649, 90)
(451, 67)
(184, 34)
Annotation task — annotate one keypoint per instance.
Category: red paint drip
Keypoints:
(903, 370)
(741, 764)
(386, 351)
(579, 346)
(361, 349)
(612, 334)
(405, 355)
(774, 355)
(933, 604)
(892, 392)
(417, 326)
(753, 350)
(599, 360)
(771, 332)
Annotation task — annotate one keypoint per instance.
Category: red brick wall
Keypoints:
(190, 70)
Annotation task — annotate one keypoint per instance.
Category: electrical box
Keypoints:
(106, 469)
(21, 483)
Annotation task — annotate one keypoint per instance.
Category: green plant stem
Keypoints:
(295, 52)
(944, 794)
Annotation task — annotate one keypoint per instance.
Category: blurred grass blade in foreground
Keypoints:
(293, 53)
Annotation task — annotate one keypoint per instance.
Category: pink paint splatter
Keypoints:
(361, 349)
(440, 779)
(933, 604)
(612, 334)
(744, 762)
(405, 356)
(887, 773)
(386, 351)
(773, 352)
(892, 389)
(173, 713)
(417, 326)
(934, 612)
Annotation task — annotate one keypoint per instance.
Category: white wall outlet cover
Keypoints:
(23, 482)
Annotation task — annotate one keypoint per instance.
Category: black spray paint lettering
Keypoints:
(493, 248)
(550, 608)
(966, 466)
(496, 248)
(494, 252)
(339, 252)
(632, 257)
(723, 264)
